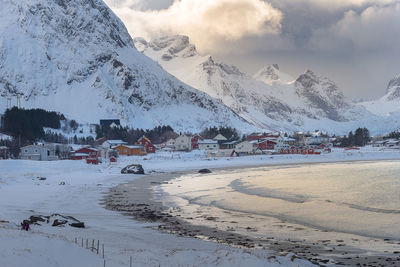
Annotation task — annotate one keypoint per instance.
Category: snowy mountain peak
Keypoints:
(171, 46)
(322, 94)
(393, 89)
(271, 74)
(76, 57)
(308, 79)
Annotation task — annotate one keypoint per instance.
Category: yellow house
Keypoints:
(136, 150)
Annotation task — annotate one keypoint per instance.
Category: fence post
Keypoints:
(87, 243)
(92, 245)
(103, 251)
(98, 244)
(82, 241)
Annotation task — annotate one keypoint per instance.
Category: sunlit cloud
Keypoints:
(206, 22)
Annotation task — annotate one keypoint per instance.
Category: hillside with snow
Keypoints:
(269, 99)
(388, 106)
(77, 58)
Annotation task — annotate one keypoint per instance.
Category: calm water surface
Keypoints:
(360, 197)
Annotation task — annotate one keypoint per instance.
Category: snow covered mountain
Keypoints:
(388, 106)
(76, 57)
(271, 74)
(271, 98)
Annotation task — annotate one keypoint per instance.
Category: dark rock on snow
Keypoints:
(133, 169)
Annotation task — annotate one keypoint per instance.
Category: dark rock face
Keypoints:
(393, 89)
(322, 94)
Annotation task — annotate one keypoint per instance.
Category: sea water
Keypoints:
(360, 198)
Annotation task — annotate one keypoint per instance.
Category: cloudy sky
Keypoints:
(356, 43)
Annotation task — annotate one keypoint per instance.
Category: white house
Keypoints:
(208, 144)
(106, 147)
(219, 137)
(245, 147)
(38, 152)
(183, 143)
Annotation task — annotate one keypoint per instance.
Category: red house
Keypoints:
(266, 144)
(195, 141)
(260, 137)
(85, 152)
(148, 146)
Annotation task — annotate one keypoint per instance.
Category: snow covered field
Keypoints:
(22, 194)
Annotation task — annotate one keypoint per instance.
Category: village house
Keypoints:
(131, 150)
(244, 148)
(38, 152)
(110, 123)
(195, 141)
(208, 144)
(107, 146)
(259, 136)
(183, 143)
(220, 137)
(148, 146)
(392, 143)
(85, 152)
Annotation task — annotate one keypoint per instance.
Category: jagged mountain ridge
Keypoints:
(271, 74)
(269, 98)
(388, 106)
(76, 57)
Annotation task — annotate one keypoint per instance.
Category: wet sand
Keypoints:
(136, 199)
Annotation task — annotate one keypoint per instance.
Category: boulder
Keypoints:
(57, 222)
(78, 225)
(204, 171)
(133, 169)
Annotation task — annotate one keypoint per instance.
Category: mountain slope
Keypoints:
(388, 106)
(76, 57)
(271, 75)
(270, 98)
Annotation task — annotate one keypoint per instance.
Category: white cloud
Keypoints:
(205, 21)
(375, 28)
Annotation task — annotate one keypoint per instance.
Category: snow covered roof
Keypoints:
(80, 154)
(134, 146)
(208, 141)
(288, 139)
(5, 137)
(116, 142)
(220, 137)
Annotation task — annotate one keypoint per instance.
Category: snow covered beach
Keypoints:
(22, 195)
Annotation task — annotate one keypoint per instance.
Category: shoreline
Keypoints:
(136, 199)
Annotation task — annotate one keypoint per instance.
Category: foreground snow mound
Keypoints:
(59, 54)
(21, 248)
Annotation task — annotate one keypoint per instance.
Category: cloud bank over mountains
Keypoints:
(205, 21)
(353, 41)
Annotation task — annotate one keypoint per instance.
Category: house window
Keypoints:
(26, 150)
(208, 146)
(125, 150)
(35, 150)
(48, 152)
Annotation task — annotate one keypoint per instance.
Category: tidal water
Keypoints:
(361, 198)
